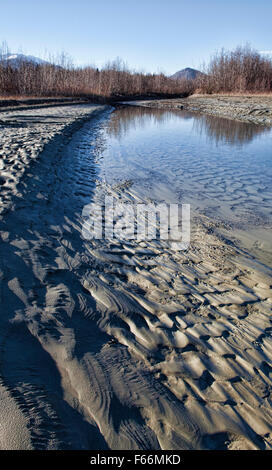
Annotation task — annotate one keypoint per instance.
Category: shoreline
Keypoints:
(120, 345)
(27, 135)
(9, 105)
(255, 109)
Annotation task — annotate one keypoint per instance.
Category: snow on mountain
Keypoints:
(15, 59)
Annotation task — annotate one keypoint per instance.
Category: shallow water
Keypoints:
(223, 168)
(124, 344)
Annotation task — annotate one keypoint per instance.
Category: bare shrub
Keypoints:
(61, 78)
(243, 70)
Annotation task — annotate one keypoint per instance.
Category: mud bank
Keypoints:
(254, 109)
(119, 344)
(26, 133)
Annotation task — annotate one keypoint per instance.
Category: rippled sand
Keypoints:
(120, 344)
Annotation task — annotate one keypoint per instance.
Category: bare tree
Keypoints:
(241, 70)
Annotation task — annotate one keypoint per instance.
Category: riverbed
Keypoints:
(126, 343)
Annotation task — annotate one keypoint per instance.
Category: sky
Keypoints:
(149, 35)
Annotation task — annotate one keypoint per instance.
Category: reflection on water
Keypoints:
(221, 167)
(227, 130)
(130, 117)
(217, 129)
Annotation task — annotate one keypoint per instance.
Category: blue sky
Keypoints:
(150, 35)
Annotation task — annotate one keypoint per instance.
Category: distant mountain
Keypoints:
(16, 59)
(188, 74)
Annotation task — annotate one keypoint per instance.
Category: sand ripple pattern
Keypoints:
(126, 345)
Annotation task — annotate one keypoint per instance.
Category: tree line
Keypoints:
(61, 78)
(242, 70)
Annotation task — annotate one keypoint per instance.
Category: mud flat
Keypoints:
(119, 344)
(9, 104)
(25, 133)
(255, 109)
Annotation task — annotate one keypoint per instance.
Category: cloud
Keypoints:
(266, 52)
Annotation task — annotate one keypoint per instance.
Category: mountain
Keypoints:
(188, 74)
(16, 59)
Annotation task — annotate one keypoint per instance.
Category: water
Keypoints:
(223, 168)
(150, 347)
